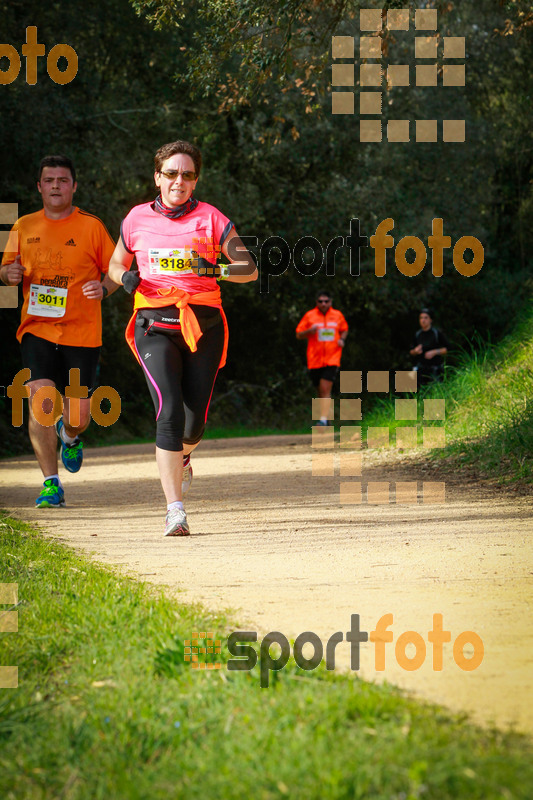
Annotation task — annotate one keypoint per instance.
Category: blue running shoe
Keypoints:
(52, 495)
(71, 454)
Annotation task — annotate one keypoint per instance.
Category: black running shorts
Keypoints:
(53, 361)
(326, 373)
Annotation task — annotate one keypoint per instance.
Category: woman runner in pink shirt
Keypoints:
(178, 331)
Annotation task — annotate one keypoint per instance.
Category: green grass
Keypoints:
(106, 708)
(18, 443)
(489, 408)
(211, 432)
(220, 432)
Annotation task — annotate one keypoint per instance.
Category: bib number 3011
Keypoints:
(47, 301)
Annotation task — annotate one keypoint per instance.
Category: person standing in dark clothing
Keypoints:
(429, 346)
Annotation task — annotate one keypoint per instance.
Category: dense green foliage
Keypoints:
(489, 408)
(250, 83)
(107, 708)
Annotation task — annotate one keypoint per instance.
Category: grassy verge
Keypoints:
(106, 708)
(211, 432)
(111, 437)
(489, 409)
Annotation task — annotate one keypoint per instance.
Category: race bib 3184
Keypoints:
(178, 261)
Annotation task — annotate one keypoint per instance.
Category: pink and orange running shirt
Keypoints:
(165, 247)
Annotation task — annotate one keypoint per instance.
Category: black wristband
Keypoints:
(105, 290)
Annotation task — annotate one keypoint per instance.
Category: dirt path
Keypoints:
(276, 545)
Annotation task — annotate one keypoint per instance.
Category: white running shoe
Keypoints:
(187, 479)
(176, 523)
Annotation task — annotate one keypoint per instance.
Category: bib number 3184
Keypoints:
(171, 262)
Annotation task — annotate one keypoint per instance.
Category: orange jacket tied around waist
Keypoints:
(190, 328)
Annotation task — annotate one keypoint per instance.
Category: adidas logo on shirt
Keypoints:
(71, 242)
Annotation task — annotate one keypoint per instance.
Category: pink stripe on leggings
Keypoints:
(152, 381)
(210, 396)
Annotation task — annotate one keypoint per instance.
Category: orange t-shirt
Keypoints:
(322, 347)
(59, 256)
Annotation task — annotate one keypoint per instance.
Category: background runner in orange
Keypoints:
(325, 330)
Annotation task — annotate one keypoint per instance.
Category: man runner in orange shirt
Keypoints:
(59, 254)
(326, 330)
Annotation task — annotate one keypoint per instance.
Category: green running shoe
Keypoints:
(52, 495)
(71, 454)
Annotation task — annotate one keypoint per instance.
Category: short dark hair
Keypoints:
(325, 294)
(180, 146)
(57, 161)
(426, 311)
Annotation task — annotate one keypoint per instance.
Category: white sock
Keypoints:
(58, 479)
(175, 504)
(323, 419)
(65, 438)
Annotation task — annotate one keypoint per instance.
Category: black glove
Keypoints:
(205, 268)
(130, 281)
